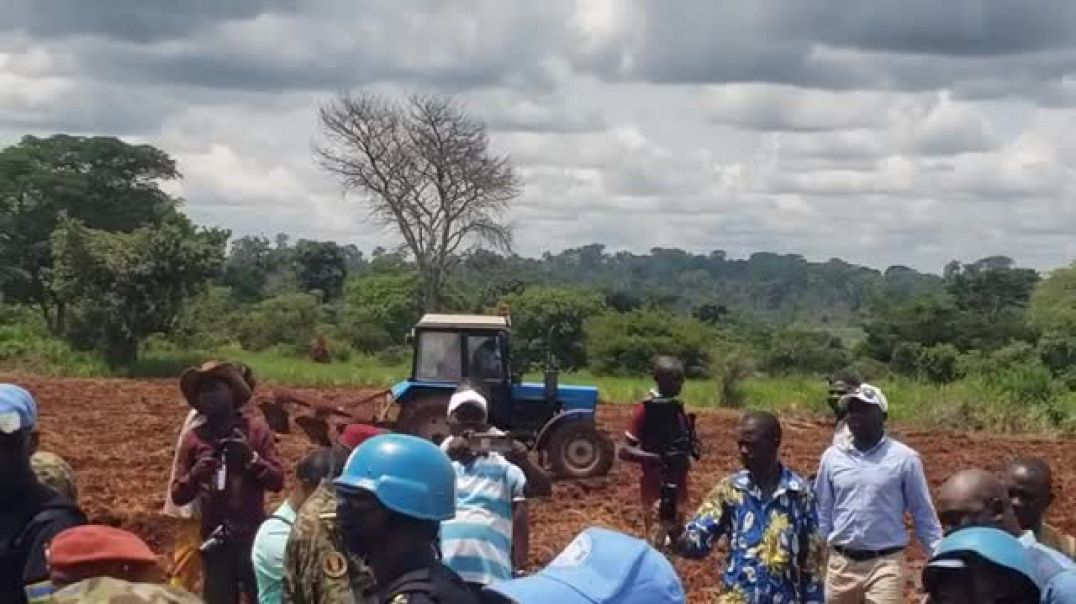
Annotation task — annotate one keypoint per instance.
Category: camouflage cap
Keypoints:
(52, 471)
(106, 590)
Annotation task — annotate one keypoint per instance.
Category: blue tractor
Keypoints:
(556, 421)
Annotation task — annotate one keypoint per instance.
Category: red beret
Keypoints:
(355, 434)
(96, 543)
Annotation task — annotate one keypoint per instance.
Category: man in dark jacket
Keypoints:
(227, 464)
(30, 513)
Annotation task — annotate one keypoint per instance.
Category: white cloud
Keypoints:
(904, 134)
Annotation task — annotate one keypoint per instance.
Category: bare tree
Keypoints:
(425, 168)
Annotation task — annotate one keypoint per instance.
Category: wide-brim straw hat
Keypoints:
(238, 376)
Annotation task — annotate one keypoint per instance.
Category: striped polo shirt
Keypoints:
(477, 543)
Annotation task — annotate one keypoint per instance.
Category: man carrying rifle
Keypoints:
(768, 514)
(661, 438)
(488, 538)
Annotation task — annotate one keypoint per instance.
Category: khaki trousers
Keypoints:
(877, 581)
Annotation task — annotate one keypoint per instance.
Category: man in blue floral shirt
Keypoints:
(768, 514)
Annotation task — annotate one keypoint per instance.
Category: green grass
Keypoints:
(971, 403)
(271, 367)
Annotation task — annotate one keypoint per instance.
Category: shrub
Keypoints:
(796, 351)
(364, 337)
(290, 320)
(387, 300)
(939, 363)
(394, 355)
(869, 370)
(625, 344)
(551, 318)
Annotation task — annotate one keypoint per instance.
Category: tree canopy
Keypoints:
(103, 182)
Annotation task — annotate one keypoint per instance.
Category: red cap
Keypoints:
(96, 543)
(356, 434)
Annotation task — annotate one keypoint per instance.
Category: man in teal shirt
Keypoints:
(272, 537)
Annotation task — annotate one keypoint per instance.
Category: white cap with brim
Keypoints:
(872, 395)
(599, 567)
(467, 397)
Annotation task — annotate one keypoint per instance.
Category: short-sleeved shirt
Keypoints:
(267, 555)
(638, 432)
(477, 543)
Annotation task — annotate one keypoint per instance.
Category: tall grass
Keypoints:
(1001, 401)
(277, 368)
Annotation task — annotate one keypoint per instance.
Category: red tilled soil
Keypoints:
(119, 437)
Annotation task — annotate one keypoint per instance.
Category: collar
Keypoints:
(850, 445)
(789, 482)
(1028, 539)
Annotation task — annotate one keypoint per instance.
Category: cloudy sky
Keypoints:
(908, 132)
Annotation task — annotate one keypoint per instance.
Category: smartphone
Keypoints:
(492, 443)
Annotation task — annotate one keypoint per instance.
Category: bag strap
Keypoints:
(282, 519)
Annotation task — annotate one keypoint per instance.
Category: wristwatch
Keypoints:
(254, 458)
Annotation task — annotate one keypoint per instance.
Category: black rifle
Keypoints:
(674, 464)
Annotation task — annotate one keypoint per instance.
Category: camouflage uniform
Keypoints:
(106, 590)
(52, 471)
(316, 571)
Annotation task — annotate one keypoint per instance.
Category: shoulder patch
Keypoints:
(399, 599)
(334, 566)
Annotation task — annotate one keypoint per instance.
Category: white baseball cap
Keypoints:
(467, 397)
(872, 395)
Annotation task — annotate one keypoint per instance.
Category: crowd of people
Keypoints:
(386, 518)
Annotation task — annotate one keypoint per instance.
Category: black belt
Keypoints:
(862, 555)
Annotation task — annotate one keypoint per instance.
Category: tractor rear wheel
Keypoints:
(425, 416)
(579, 450)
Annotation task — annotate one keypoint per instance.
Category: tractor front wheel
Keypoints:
(425, 416)
(579, 450)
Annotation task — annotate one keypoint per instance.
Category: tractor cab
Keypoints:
(556, 420)
(450, 349)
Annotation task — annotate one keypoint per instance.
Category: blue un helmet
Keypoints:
(990, 544)
(407, 474)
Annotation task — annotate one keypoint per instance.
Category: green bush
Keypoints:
(364, 337)
(1058, 351)
(394, 355)
(939, 363)
(387, 300)
(905, 358)
(1029, 383)
(626, 343)
(208, 320)
(28, 347)
(802, 351)
(870, 370)
(551, 318)
(291, 320)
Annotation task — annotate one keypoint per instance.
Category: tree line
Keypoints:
(107, 261)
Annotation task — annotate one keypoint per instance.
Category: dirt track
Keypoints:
(118, 435)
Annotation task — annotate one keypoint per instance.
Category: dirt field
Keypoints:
(118, 435)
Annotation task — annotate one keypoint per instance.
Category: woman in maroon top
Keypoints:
(227, 464)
